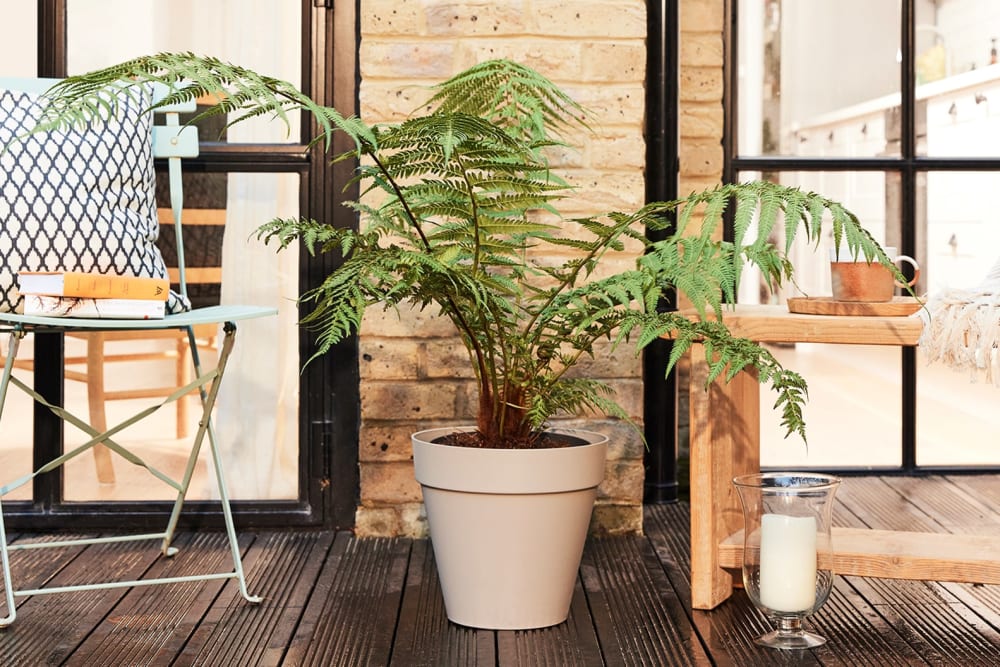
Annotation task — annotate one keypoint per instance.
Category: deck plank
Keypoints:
(425, 638)
(34, 568)
(635, 607)
(934, 622)
(334, 599)
(351, 615)
(282, 569)
(149, 617)
(50, 628)
(570, 644)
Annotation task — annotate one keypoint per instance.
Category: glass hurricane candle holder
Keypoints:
(787, 552)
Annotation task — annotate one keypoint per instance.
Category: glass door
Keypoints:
(276, 446)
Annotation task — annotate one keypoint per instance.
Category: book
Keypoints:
(92, 285)
(70, 306)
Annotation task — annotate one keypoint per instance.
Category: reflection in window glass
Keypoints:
(256, 416)
(806, 90)
(958, 76)
(19, 46)
(264, 35)
(867, 194)
(955, 408)
(860, 380)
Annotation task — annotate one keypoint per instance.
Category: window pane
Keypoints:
(869, 195)
(17, 422)
(858, 380)
(19, 46)
(264, 35)
(806, 90)
(958, 78)
(956, 408)
(854, 414)
(256, 416)
(962, 115)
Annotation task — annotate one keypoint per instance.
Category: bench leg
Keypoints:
(725, 442)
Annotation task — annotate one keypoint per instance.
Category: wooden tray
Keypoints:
(826, 305)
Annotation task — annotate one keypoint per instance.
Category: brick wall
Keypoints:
(414, 373)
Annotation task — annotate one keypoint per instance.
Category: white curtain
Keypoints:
(257, 412)
(257, 416)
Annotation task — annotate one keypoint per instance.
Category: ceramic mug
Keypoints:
(857, 280)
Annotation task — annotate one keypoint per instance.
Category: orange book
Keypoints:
(92, 285)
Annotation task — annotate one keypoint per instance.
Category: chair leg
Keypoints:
(95, 401)
(183, 377)
(15, 340)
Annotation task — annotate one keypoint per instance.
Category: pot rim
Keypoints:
(509, 471)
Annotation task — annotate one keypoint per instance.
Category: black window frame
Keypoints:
(908, 167)
(329, 409)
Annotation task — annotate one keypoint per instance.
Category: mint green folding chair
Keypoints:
(174, 142)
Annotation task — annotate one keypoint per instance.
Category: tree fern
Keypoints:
(450, 220)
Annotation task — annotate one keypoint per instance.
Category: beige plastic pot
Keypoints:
(508, 526)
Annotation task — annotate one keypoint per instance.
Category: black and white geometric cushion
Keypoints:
(80, 200)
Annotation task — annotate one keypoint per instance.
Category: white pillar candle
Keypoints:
(787, 562)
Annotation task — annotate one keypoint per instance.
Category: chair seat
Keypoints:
(207, 315)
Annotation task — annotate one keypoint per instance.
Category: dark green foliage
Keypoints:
(453, 211)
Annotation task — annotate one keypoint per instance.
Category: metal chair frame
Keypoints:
(173, 142)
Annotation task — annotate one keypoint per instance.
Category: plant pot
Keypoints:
(508, 526)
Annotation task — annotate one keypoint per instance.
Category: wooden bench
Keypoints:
(725, 442)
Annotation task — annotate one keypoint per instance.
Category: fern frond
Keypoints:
(82, 99)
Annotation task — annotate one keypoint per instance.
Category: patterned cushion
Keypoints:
(81, 200)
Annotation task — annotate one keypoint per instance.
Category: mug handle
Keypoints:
(913, 264)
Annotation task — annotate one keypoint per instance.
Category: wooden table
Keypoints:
(725, 442)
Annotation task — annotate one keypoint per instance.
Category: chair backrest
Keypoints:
(171, 141)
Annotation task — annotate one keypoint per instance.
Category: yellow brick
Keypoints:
(406, 59)
(413, 520)
(702, 122)
(445, 358)
(391, 17)
(689, 183)
(616, 519)
(608, 363)
(702, 15)
(556, 59)
(628, 394)
(386, 440)
(466, 19)
(598, 191)
(621, 150)
(390, 102)
(376, 522)
(596, 51)
(702, 159)
(389, 358)
(612, 105)
(406, 322)
(624, 442)
(594, 18)
(702, 50)
(623, 481)
(615, 61)
(388, 483)
(408, 400)
(700, 84)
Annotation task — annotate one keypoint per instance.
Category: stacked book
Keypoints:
(92, 295)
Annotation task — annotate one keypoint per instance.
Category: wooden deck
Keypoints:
(333, 600)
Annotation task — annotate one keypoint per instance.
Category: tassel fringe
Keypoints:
(962, 329)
